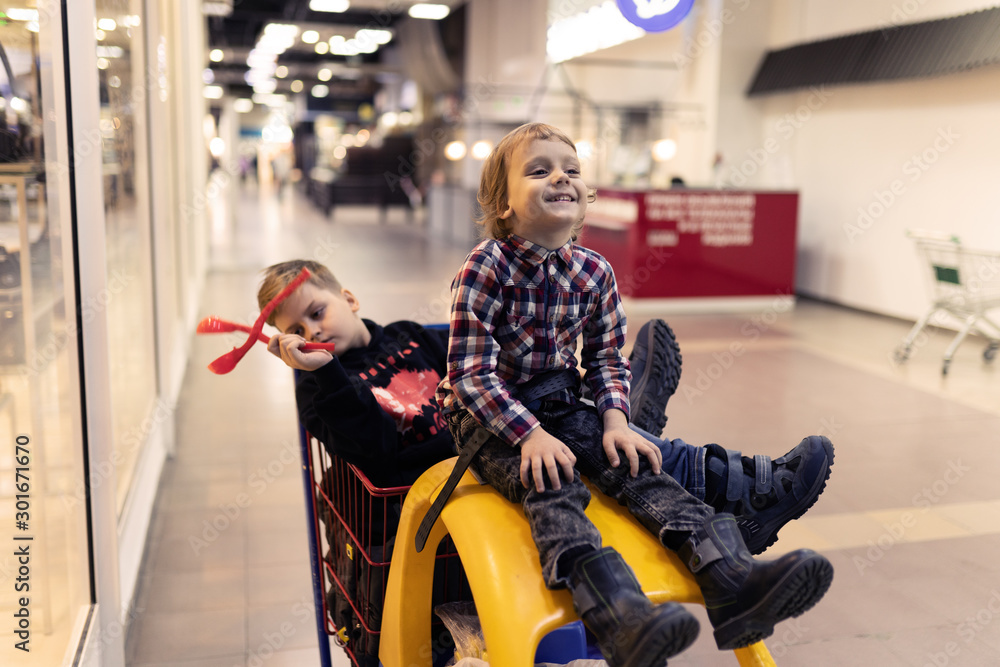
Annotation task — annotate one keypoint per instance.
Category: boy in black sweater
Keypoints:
(376, 402)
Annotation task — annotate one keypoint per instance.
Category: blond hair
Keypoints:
(492, 195)
(278, 276)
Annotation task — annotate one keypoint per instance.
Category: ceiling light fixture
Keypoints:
(374, 35)
(216, 8)
(664, 150)
(455, 150)
(599, 27)
(310, 36)
(22, 14)
(334, 6)
(107, 25)
(481, 149)
(215, 55)
(424, 10)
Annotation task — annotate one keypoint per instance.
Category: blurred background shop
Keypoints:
(796, 140)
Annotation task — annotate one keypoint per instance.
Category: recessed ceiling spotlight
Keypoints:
(335, 6)
(424, 10)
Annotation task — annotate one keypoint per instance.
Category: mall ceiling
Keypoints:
(236, 33)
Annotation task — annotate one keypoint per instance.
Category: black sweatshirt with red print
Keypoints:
(374, 406)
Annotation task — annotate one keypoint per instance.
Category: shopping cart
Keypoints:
(965, 284)
(352, 536)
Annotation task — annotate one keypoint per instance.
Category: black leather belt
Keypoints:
(534, 389)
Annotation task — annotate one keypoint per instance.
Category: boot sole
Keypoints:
(761, 534)
(796, 593)
(665, 355)
(666, 635)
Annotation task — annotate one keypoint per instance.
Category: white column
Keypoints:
(105, 637)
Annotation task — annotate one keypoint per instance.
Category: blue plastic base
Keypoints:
(563, 645)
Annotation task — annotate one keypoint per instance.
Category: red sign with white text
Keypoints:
(696, 243)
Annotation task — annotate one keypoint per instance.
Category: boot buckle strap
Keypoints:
(763, 477)
(701, 555)
(584, 600)
(734, 476)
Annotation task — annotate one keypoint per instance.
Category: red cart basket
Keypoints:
(352, 534)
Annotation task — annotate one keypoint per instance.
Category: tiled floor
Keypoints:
(909, 517)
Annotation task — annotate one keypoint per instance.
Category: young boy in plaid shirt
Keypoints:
(520, 303)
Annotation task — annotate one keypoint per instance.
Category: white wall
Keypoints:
(870, 161)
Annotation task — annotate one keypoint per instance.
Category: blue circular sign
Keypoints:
(655, 15)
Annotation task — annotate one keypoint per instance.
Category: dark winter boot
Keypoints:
(630, 631)
(764, 495)
(744, 597)
(656, 371)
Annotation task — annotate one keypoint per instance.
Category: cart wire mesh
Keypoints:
(353, 529)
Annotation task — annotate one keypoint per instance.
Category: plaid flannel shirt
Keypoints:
(517, 311)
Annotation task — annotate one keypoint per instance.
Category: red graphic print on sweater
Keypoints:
(406, 395)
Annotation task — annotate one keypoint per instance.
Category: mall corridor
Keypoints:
(910, 517)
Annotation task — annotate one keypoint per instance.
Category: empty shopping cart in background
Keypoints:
(965, 284)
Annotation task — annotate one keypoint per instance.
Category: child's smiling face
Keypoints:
(546, 195)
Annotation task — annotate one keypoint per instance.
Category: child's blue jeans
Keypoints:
(558, 523)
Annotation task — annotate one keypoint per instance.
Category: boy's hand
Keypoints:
(618, 436)
(541, 452)
(286, 347)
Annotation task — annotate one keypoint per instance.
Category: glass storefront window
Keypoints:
(124, 87)
(44, 559)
